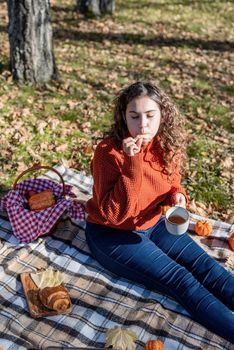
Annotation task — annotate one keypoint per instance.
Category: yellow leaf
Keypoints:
(121, 338)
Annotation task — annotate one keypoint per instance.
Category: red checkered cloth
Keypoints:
(27, 225)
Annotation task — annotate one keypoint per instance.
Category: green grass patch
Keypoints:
(192, 104)
(201, 84)
(207, 184)
(70, 115)
(229, 90)
(220, 115)
(209, 188)
(104, 96)
(4, 64)
(200, 147)
(104, 122)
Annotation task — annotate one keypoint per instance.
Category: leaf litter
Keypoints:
(192, 60)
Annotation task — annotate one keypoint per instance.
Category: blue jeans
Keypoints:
(173, 265)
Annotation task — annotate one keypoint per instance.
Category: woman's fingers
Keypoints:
(139, 143)
(131, 146)
(144, 137)
(180, 200)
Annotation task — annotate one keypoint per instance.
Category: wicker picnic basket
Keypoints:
(40, 200)
(36, 205)
(35, 167)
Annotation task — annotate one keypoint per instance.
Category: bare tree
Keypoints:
(30, 36)
(96, 7)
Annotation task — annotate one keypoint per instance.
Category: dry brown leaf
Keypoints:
(45, 146)
(194, 208)
(227, 163)
(21, 167)
(63, 108)
(67, 163)
(41, 126)
(62, 147)
(33, 154)
(53, 122)
(201, 205)
(230, 218)
(73, 104)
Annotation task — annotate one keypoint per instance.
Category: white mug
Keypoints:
(177, 220)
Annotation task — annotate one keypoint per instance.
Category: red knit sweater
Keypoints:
(128, 191)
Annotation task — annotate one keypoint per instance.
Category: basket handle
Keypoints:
(38, 166)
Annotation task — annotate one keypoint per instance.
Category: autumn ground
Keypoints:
(185, 46)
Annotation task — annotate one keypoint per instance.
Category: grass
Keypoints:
(202, 85)
(207, 186)
(229, 90)
(184, 46)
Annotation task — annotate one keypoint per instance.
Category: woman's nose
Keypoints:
(143, 124)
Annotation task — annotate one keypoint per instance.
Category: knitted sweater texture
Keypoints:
(128, 191)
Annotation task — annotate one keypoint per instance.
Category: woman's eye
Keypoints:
(134, 116)
(150, 115)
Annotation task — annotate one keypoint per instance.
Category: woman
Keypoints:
(135, 170)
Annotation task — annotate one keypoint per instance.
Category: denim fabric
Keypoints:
(173, 265)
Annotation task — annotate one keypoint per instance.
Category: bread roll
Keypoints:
(42, 200)
(55, 298)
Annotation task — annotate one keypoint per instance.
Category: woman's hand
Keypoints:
(132, 146)
(180, 200)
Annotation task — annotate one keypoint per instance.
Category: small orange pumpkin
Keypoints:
(165, 208)
(231, 241)
(203, 228)
(154, 345)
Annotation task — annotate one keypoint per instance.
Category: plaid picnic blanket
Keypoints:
(100, 299)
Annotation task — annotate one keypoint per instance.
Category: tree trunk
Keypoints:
(107, 6)
(30, 36)
(96, 7)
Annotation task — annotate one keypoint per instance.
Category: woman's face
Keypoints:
(143, 117)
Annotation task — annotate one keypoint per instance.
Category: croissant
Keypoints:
(42, 200)
(55, 298)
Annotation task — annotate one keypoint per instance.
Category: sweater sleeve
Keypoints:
(116, 183)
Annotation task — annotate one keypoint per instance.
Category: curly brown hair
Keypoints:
(171, 131)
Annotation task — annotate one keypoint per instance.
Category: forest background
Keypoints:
(187, 47)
